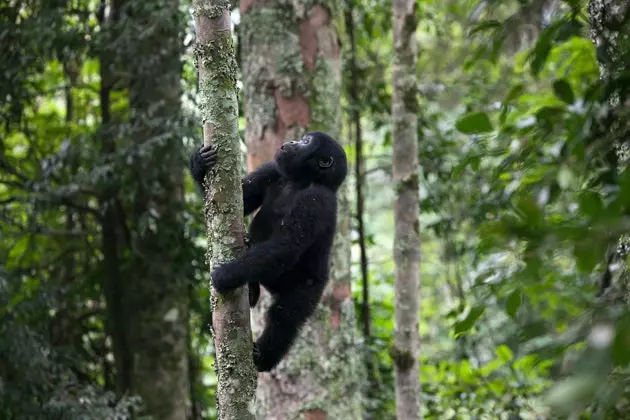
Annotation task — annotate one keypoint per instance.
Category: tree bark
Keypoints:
(217, 68)
(291, 71)
(156, 294)
(610, 32)
(112, 283)
(405, 350)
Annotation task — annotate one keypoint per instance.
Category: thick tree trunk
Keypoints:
(610, 31)
(405, 350)
(157, 294)
(217, 68)
(291, 70)
(112, 283)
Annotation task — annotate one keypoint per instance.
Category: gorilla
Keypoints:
(290, 237)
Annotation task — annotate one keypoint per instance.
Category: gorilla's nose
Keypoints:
(284, 145)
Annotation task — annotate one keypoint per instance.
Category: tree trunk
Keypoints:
(291, 71)
(156, 295)
(610, 31)
(112, 282)
(405, 350)
(354, 87)
(217, 68)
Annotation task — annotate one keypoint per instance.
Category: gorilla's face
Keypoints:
(316, 157)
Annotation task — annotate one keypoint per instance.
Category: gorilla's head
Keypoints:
(316, 157)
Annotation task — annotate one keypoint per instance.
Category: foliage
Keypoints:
(535, 205)
(56, 164)
(38, 380)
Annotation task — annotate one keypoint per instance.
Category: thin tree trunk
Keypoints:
(156, 295)
(291, 70)
(197, 389)
(217, 68)
(359, 172)
(405, 350)
(371, 389)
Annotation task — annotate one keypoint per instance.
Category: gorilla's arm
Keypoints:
(255, 184)
(312, 212)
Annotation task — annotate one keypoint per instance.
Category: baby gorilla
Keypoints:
(290, 236)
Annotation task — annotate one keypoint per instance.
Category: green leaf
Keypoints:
(624, 185)
(586, 256)
(565, 177)
(504, 353)
(513, 303)
(591, 204)
(473, 315)
(533, 329)
(514, 93)
(497, 386)
(563, 90)
(484, 26)
(621, 343)
(528, 209)
(548, 113)
(474, 123)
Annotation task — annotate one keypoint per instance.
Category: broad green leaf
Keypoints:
(513, 303)
(497, 386)
(473, 315)
(563, 90)
(474, 123)
(504, 353)
(514, 93)
(465, 372)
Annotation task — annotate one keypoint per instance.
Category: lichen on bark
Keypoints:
(215, 56)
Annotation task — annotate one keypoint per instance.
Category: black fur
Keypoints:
(290, 236)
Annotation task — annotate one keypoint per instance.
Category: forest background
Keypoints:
(522, 119)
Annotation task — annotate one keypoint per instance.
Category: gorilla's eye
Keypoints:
(326, 162)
